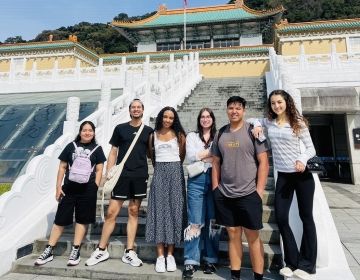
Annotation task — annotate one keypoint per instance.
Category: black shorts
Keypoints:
(245, 211)
(81, 199)
(130, 188)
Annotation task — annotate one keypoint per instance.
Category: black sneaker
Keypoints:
(188, 271)
(209, 268)
(46, 256)
(74, 258)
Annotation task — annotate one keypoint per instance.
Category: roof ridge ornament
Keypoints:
(239, 3)
(162, 9)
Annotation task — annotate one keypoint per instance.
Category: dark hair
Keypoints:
(297, 121)
(176, 126)
(136, 99)
(200, 128)
(78, 137)
(236, 99)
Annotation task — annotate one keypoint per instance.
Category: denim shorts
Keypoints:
(245, 211)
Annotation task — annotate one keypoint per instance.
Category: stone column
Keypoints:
(123, 70)
(100, 69)
(72, 116)
(353, 121)
(105, 107)
(55, 70)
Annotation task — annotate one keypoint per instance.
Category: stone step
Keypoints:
(147, 251)
(110, 270)
(269, 234)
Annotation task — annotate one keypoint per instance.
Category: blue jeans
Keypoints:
(201, 216)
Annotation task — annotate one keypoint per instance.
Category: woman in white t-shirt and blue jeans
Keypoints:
(200, 200)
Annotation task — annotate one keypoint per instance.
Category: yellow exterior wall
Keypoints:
(4, 65)
(250, 68)
(66, 62)
(313, 46)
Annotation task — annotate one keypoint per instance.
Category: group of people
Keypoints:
(226, 193)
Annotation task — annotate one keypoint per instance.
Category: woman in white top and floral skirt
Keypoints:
(166, 216)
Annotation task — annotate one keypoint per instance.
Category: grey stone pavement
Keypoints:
(344, 203)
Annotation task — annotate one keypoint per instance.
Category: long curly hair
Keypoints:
(78, 137)
(176, 126)
(212, 128)
(297, 121)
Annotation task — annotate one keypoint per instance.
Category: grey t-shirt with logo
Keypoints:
(238, 150)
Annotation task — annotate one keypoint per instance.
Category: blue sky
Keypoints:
(27, 18)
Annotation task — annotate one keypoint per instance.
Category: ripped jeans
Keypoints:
(201, 216)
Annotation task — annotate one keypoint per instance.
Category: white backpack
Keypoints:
(81, 168)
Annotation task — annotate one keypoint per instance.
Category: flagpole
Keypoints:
(185, 4)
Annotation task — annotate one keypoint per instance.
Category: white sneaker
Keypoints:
(97, 256)
(170, 263)
(45, 257)
(160, 265)
(286, 272)
(131, 258)
(74, 258)
(301, 274)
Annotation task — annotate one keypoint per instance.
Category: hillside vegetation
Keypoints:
(102, 38)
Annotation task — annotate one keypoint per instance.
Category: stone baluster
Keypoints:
(289, 87)
(105, 108)
(12, 71)
(72, 116)
(100, 69)
(55, 71)
(146, 78)
(77, 69)
(303, 62)
(161, 83)
(334, 58)
(171, 65)
(122, 71)
(185, 66)
(191, 63)
(178, 70)
(281, 70)
(33, 71)
(197, 63)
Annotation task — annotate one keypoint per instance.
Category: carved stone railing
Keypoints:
(27, 210)
(83, 78)
(291, 73)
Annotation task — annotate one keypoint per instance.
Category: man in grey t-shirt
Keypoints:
(239, 175)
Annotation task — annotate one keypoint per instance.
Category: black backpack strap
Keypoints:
(221, 131)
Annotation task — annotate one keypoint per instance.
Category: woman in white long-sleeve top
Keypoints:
(286, 128)
(200, 200)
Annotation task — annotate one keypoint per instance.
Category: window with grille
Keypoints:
(354, 44)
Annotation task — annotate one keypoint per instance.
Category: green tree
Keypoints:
(13, 40)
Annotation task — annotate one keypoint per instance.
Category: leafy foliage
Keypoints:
(99, 37)
(310, 10)
(4, 187)
(13, 40)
